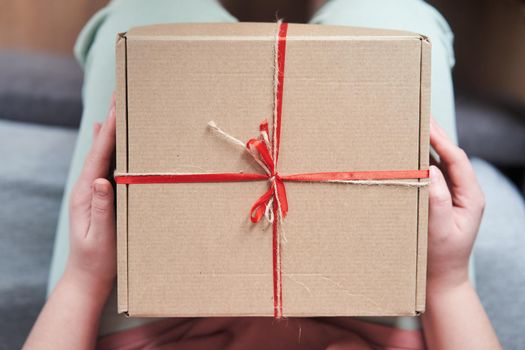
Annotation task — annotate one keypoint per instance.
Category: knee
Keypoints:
(436, 27)
(100, 32)
(409, 15)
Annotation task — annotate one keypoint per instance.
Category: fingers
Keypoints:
(462, 180)
(440, 202)
(99, 156)
(95, 166)
(102, 209)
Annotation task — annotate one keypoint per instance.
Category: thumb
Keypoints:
(102, 209)
(440, 216)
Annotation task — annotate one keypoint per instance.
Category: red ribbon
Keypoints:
(262, 149)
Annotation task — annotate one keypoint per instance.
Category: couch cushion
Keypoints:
(34, 166)
(40, 88)
(491, 132)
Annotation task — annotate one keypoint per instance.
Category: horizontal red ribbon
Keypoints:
(187, 178)
(358, 175)
(242, 177)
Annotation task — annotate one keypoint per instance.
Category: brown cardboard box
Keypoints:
(353, 99)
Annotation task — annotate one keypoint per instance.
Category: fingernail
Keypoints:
(100, 189)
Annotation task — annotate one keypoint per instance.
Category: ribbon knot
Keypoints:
(260, 148)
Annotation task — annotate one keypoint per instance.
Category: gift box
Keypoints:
(271, 169)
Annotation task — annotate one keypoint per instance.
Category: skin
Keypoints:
(454, 319)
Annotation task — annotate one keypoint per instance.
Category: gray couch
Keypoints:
(39, 110)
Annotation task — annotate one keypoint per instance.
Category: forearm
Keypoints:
(455, 319)
(70, 318)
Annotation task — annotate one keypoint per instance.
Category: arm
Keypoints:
(454, 317)
(70, 318)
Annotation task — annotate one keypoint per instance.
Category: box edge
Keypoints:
(122, 166)
(424, 164)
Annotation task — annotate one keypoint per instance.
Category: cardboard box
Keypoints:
(353, 100)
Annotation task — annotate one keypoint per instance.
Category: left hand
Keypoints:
(92, 258)
(70, 318)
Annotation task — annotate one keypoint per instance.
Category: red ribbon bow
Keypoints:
(260, 147)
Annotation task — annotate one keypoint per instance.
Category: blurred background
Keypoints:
(40, 110)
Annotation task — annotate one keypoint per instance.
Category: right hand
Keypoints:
(456, 205)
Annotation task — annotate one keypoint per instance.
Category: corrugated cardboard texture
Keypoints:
(354, 99)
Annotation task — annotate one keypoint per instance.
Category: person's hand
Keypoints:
(70, 318)
(456, 205)
(92, 258)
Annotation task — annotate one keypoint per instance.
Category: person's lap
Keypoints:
(95, 51)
